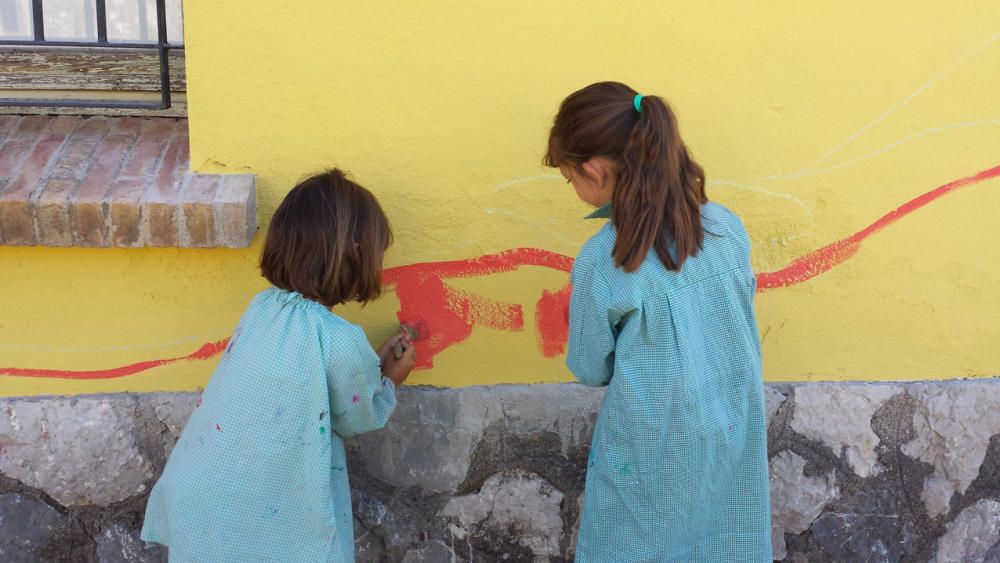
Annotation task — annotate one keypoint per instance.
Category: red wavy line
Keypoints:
(834, 254)
(413, 276)
(206, 352)
(505, 261)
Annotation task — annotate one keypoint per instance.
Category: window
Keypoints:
(92, 56)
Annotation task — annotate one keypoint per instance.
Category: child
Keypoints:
(661, 313)
(259, 472)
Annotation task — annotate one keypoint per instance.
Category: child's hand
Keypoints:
(397, 369)
(386, 349)
(396, 343)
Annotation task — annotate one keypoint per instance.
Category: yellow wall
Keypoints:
(811, 119)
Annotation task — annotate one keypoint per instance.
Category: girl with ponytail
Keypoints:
(662, 314)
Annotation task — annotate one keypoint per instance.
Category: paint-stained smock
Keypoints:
(259, 472)
(678, 463)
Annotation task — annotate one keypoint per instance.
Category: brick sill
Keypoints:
(115, 182)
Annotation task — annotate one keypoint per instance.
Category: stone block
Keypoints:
(972, 533)
(513, 500)
(796, 499)
(840, 415)
(93, 440)
(118, 544)
(452, 423)
(436, 551)
(26, 523)
(953, 423)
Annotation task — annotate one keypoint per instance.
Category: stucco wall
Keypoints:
(858, 142)
(817, 123)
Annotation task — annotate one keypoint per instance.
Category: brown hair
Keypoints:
(659, 189)
(326, 241)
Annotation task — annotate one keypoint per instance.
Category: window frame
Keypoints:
(73, 54)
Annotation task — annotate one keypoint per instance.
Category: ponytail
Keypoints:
(659, 190)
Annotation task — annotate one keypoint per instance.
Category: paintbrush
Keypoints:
(410, 331)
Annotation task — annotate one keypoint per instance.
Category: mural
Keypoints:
(867, 188)
(445, 315)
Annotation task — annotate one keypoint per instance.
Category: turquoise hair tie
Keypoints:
(637, 102)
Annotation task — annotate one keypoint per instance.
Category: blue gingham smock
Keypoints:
(259, 473)
(678, 464)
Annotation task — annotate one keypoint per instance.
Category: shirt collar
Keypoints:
(603, 212)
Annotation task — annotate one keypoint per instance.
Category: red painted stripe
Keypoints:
(834, 254)
(207, 351)
(490, 264)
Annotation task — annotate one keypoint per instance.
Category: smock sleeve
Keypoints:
(594, 321)
(361, 399)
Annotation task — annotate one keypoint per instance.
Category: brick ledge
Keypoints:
(115, 182)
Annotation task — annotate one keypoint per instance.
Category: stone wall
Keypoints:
(859, 472)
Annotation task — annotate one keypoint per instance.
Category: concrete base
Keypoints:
(859, 472)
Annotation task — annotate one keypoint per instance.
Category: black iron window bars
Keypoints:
(162, 47)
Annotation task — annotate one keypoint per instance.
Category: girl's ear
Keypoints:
(599, 169)
(595, 169)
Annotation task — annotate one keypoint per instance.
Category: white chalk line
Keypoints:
(760, 190)
(540, 226)
(898, 142)
(757, 189)
(527, 179)
(524, 180)
(912, 136)
(902, 103)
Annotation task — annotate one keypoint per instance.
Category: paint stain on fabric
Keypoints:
(219, 428)
(232, 340)
(355, 399)
(322, 414)
(322, 429)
